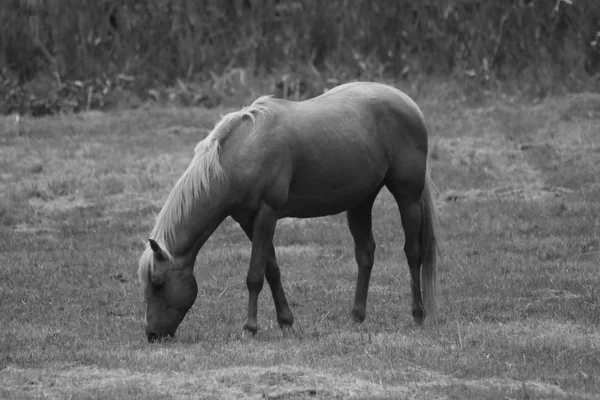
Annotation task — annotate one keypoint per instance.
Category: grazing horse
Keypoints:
(277, 159)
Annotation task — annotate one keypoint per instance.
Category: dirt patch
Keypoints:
(505, 170)
(520, 151)
(524, 193)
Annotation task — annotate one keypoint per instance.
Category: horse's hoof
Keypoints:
(250, 329)
(286, 319)
(418, 316)
(285, 326)
(358, 315)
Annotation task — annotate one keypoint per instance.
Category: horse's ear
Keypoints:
(157, 271)
(158, 251)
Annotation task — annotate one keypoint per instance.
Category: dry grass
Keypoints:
(519, 286)
(280, 382)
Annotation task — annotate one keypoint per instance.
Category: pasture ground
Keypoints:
(519, 283)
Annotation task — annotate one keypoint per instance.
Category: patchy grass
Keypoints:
(519, 214)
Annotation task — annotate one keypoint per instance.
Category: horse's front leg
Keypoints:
(262, 242)
(285, 317)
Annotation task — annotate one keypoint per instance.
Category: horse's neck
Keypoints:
(194, 229)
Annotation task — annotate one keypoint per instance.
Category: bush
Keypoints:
(88, 49)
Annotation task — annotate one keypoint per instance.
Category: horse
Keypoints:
(278, 158)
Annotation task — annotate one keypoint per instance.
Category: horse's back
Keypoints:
(373, 95)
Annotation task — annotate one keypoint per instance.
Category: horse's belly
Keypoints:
(327, 195)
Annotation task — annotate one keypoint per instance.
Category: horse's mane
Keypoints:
(197, 178)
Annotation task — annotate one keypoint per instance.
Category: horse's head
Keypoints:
(170, 290)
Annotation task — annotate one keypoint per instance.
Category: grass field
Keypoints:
(519, 283)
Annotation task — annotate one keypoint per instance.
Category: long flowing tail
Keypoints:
(429, 250)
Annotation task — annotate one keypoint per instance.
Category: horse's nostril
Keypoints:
(152, 337)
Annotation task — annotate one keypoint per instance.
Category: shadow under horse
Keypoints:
(277, 159)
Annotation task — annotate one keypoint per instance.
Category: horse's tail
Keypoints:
(429, 250)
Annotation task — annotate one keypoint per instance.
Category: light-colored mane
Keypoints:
(196, 180)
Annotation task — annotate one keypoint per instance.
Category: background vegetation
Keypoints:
(82, 54)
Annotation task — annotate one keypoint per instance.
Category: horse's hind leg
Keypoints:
(273, 275)
(408, 198)
(359, 222)
(285, 318)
